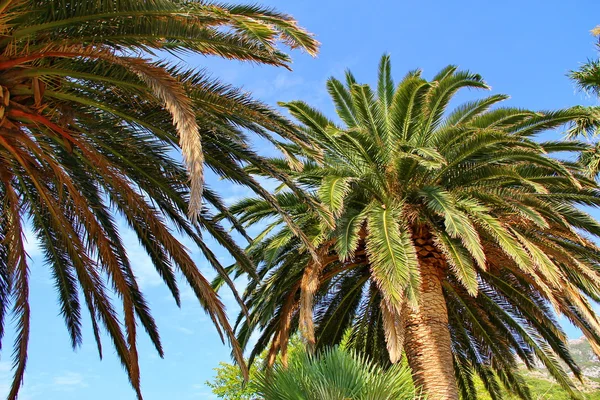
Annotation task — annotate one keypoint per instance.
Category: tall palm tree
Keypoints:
(88, 125)
(587, 78)
(450, 235)
(336, 374)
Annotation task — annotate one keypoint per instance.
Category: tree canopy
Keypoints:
(451, 234)
(90, 119)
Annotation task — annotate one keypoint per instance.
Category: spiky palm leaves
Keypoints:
(588, 75)
(336, 374)
(587, 78)
(449, 234)
(86, 128)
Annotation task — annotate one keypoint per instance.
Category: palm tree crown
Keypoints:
(86, 128)
(450, 235)
(587, 78)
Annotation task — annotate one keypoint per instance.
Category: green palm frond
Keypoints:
(393, 259)
(333, 191)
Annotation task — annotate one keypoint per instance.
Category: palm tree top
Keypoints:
(34, 31)
(89, 117)
(464, 208)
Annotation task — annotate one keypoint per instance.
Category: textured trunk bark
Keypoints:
(427, 337)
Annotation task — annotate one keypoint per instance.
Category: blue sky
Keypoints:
(522, 48)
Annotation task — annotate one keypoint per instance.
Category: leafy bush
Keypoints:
(335, 374)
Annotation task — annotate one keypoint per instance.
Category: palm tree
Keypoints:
(587, 78)
(450, 235)
(336, 374)
(88, 125)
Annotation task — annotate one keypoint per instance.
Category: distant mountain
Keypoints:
(543, 386)
(590, 367)
(584, 356)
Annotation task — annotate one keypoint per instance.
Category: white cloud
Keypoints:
(28, 392)
(270, 89)
(185, 330)
(70, 380)
(5, 378)
(285, 81)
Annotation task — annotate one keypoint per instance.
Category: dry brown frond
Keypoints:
(393, 326)
(176, 101)
(282, 334)
(17, 262)
(308, 288)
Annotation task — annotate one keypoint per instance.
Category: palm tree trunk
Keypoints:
(427, 337)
